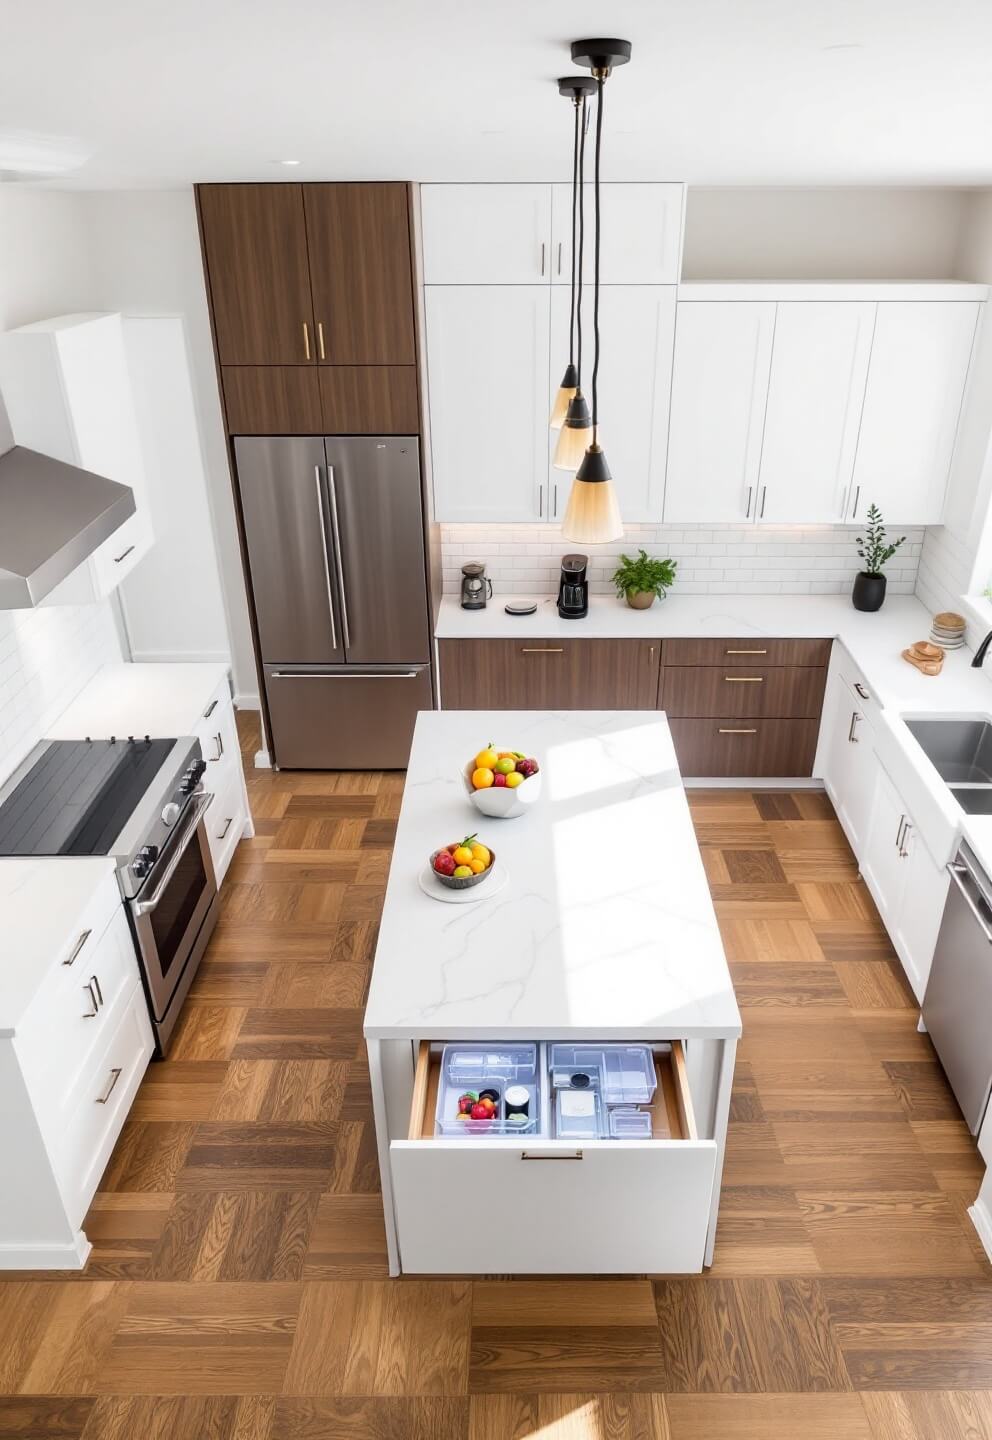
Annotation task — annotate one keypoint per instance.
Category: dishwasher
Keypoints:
(957, 1005)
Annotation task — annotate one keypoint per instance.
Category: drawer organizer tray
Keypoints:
(598, 1089)
(497, 1070)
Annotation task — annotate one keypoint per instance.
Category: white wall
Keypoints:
(843, 234)
(47, 655)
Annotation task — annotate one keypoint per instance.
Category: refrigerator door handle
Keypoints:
(327, 561)
(337, 555)
(351, 675)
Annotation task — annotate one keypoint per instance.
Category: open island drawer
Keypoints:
(511, 1203)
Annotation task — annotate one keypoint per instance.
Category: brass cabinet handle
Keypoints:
(115, 1075)
(306, 339)
(745, 652)
(320, 339)
(542, 650)
(569, 1155)
(744, 679)
(73, 955)
(752, 731)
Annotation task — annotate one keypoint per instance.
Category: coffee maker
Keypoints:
(573, 587)
(475, 583)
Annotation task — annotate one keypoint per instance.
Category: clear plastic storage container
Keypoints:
(507, 1072)
(578, 1115)
(623, 1074)
(630, 1124)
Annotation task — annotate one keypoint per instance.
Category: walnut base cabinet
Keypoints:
(728, 747)
(554, 674)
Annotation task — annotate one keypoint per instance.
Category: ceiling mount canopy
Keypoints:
(600, 56)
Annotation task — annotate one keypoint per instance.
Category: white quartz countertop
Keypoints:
(41, 901)
(163, 701)
(605, 928)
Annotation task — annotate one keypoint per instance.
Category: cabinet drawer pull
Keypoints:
(752, 731)
(855, 717)
(306, 340)
(91, 1014)
(542, 650)
(903, 852)
(902, 821)
(115, 1075)
(744, 679)
(227, 826)
(96, 986)
(747, 510)
(210, 710)
(123, 556)
(764, 492)
(861, 690)
(320, 339)
(73, 955)
(219, 742)
(532, 1155)
(857, 497)
(745, 652)
(543, 247)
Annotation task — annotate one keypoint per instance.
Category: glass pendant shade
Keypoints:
(592, 516)
(566, 391)
(575, 435)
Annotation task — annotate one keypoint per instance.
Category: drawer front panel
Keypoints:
(771, 690)
(552, 674)
(225, 822)
(732, 746)
(105, 1096)
(625, 1206)
(217, 733)
(750, 650)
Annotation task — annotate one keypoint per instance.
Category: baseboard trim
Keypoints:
(181, 657)
(982, 1221)
(247, 700)
(71, 1256)
(263, 760)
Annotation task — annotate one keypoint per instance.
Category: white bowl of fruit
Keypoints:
(502, 783)
(463, 865)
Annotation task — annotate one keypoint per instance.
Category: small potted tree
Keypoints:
(869, 583)
(643, 579)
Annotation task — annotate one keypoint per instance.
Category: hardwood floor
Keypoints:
(238, 1286)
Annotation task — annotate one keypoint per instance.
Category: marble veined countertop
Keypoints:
(605, 928)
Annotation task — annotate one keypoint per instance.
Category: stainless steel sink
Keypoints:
(973, 802)
(959, 750)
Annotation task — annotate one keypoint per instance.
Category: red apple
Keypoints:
(499, 780)
(444, 863)
(480, 1112)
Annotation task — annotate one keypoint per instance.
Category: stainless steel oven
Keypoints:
(173, 916)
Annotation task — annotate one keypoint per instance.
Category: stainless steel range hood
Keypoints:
(52, 517)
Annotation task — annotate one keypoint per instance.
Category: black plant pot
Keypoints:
(869, 591)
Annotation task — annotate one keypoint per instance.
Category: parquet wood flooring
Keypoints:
(238, 1288)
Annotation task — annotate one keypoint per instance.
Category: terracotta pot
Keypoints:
(869, 591)
(640, 599)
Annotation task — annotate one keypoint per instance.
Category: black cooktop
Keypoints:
(78, 796)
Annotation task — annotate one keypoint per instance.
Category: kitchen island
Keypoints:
(603, 934)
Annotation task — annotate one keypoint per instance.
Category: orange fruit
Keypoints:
(481, 852)
(476, 866)
(462, 855)
(482, 777)
(486, 759)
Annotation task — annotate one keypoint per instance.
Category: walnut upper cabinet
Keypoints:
(255, 245)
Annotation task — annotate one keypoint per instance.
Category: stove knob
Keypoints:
(170, 813)
(144, 860)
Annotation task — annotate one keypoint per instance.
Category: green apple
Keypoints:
(506, 766)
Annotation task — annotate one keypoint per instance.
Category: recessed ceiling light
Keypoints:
(289, 162)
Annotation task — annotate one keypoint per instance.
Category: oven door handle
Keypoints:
(182, 840)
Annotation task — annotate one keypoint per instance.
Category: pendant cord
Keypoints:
(575, 181)
(595, 306)
(582, 235)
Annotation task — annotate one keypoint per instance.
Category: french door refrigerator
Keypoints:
(334, 530)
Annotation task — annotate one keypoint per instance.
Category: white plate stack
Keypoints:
(947, 630)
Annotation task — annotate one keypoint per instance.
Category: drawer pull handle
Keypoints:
(744, 679)
(861, 690)
(545, 650)
(320, 339)
(306, 340)
(745, 652)
(227, 826)
(903, 852)
(96, 986)
(210, 710)
(569, 1155)
(752, 731)
(115, 1075)
(73, 955)
(218, 741)
(91, 1014)
(852, 738)
(123, 556)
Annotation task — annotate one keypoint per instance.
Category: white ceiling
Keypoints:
(738, 92)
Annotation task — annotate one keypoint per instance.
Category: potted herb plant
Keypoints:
(642, 579)
(869, 583)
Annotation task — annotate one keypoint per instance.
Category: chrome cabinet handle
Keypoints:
(568, 1155)
(356, 675)
(855, 717)
(540, 502)
(210, 710)
(337, 554)
(96, 986)
(956, 870)
(115, 1075)
(219, 742)
(747, 511)
(861, 691)
(559, 257)
(123, 556)
(326, 557)
(729, 731)
(227, 825)
(903, 852)
(542, 256)
(320, 339)
(73, 955)
(542, 650)
(306, 340)
(857, 497)
(91, 1014)
(744, 679)
(902, 822)
(764, 496)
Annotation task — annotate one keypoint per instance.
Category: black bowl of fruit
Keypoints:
(464, 864)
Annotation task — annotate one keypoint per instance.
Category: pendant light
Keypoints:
(574, 88)
(576, 427)
(592, 516)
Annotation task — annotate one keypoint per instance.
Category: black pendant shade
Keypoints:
(594, 469)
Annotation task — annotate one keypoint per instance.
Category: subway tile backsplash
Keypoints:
(712, 560)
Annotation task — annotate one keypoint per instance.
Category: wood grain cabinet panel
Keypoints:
(730, 746)
(749, 650)
(769, 690)
(272, 399)
(255, 244)
(359, 243)
(549, 674)
(369, 399)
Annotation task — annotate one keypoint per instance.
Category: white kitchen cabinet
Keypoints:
(920, 356)
(642, 234)
(815, 394)
(67, 392)
(486, 234)
(637, 329)
(883, 860)
(846, 755)
(719, 385)
(227, 816)
(488, 377)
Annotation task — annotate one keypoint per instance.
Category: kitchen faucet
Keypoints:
(976, 664)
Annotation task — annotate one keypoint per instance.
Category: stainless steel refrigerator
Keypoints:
(335, 536)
